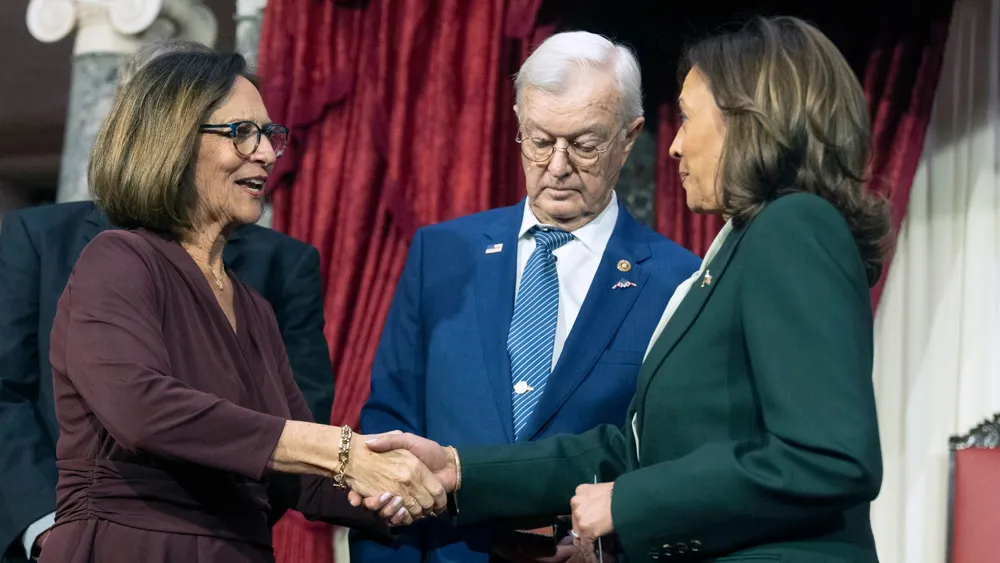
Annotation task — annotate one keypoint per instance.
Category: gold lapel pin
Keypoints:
(624, 265)
(707, 280)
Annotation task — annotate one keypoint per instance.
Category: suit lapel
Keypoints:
(686, 313)
(495, 278)
(601, 315)
(96, 223)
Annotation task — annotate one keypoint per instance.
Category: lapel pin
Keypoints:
(522, 387)
(624, 265)
(707, 280)
(494, 248)
(622, 284)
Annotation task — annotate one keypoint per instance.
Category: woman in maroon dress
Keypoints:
(181, 428)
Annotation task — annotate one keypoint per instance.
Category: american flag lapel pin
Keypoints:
(623, 284)
(707, 280)
(494, 248)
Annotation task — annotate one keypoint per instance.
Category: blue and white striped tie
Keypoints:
(533, 327)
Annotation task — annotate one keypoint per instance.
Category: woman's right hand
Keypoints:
(401, 487)
(314, 449)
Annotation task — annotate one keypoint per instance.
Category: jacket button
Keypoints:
(668, 550)
(681, 548)
(694, 545)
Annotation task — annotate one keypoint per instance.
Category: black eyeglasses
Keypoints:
(246, 135)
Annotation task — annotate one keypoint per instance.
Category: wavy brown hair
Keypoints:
(796, 121)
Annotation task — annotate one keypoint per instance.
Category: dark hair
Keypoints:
(796, 121)
(141, 166)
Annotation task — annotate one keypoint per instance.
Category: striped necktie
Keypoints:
(533, 327)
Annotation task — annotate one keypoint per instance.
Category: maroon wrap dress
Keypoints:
(168, 417)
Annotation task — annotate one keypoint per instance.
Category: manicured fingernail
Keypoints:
(398, 501)
(401, 513)
(384, 497)
(371, 441)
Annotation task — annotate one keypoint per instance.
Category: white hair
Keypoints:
(549, 67)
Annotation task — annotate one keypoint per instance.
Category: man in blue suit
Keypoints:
(524, 322)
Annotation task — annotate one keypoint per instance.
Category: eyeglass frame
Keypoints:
(264, 130)
(519, 139)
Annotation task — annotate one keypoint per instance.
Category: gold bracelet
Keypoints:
(340, 477)
(458, 468)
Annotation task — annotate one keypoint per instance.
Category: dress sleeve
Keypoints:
(116, 358)
(315, 497)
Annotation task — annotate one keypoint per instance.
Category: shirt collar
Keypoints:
(594, 235)
(720, 239)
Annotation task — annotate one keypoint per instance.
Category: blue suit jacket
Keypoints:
(442, 368)
(38, 249)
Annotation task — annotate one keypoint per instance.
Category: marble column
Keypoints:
(106, 31)
(249, 16)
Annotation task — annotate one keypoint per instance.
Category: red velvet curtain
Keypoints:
(400, 112)
(900, 78)
(900, 81)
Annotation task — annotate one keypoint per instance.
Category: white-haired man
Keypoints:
(532, 320)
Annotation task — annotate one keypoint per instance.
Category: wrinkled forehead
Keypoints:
(588, 102)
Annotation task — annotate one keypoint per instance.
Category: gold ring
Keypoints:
(410, 504)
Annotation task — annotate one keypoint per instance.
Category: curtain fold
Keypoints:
(900, 80)
(937, 353)
(401, 116)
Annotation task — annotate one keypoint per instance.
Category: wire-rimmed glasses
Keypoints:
(537, 149)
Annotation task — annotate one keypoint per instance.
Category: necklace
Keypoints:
(218, 280)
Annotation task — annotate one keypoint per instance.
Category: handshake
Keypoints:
(405, 478)
(401, 476)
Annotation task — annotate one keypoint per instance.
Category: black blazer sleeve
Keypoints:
(27, 452)
(299, 312)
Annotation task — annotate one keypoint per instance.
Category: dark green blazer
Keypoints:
(755, 412)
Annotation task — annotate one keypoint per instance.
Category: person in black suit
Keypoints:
(38, 249)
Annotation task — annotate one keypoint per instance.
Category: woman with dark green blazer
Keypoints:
(752, 435)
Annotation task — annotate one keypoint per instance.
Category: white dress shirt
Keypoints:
(576, 264)
(675, 300)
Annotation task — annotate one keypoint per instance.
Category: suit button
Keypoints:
(695, 545)
(681, 548)
(668, 550)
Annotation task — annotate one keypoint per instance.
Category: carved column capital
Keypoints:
(120, 26)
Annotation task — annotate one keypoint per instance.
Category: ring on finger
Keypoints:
(575, 535)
